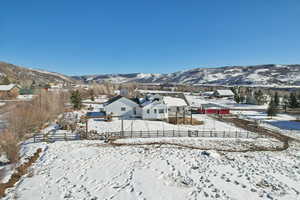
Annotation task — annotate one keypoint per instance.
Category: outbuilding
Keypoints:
(223, 93)
(213, 109)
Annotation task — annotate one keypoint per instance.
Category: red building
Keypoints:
(213, 109)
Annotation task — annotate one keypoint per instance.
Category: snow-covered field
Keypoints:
(229, 103)
(145, 125)
(284, 123)
(93, 170)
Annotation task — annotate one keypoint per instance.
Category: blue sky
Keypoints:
(94, 37)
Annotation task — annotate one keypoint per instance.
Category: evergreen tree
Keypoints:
(285, 102)
(272, 109)
(276, 99)
(92, 94)
(5, 81)
(293, 103)
(259, 97)
(76, 99)
(237, 98)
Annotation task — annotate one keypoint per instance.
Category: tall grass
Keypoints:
(28, 117)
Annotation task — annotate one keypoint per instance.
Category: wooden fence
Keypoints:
(144, 134)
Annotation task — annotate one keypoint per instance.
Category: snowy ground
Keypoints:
(284, 123)
(91, 170)
(145, 125)
(229, 103)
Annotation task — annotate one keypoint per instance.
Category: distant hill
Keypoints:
(230, 75)
(25, 76)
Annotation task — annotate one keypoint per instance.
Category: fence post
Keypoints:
(236, 134)
(247, 134)
(224, 134)
(65, 137)
(163, 133)
(211, 133)
(197, 133)
(173, 133)
(34, 138)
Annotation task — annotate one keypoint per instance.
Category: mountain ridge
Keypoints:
(266, 74)
(26, 76)
(227, 75)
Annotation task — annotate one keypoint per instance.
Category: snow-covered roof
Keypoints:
(173, 101)
(225, 92)
(7, 87)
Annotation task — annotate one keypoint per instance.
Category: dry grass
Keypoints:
(28, 117)
(181, 120)
(9, 145)
(19, 172)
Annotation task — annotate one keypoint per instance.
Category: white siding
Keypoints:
(116, 108)
(155, 115)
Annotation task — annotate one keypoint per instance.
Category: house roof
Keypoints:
(225, 92)
(116, 98)
(7, 87)
(212, 106)
(173, 101)
(113, 99)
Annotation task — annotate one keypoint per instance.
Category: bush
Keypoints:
(9, 146)
(187, 120)
(28, 117)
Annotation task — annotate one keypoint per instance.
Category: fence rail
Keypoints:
(144, 134)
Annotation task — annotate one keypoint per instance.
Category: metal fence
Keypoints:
(144, 134)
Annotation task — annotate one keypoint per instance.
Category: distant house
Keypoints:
(9, 91)
(120, 106)
(223, 93)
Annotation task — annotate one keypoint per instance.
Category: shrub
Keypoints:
(9, 145)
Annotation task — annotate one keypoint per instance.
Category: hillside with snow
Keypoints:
(230, 75)
(25, 76)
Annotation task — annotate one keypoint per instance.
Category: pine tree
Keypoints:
(272, 109)
(293, 103)
(92, 94)
(259, 97)
(285, 102)
(276, 99)
(76, 99)
(237, 98)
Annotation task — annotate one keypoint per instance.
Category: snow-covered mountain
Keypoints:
(25, 76)
(230, 75)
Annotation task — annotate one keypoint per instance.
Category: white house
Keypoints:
(122, 107)
(155, 110)
(152, 107)
(223, 93)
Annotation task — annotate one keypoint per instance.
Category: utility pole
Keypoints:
(191, 116)
(183, 115)
(86, 128)
(122, 126)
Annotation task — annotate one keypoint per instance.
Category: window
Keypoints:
(148, 111)
(155, 111)
(123, 109)
(161, 111)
